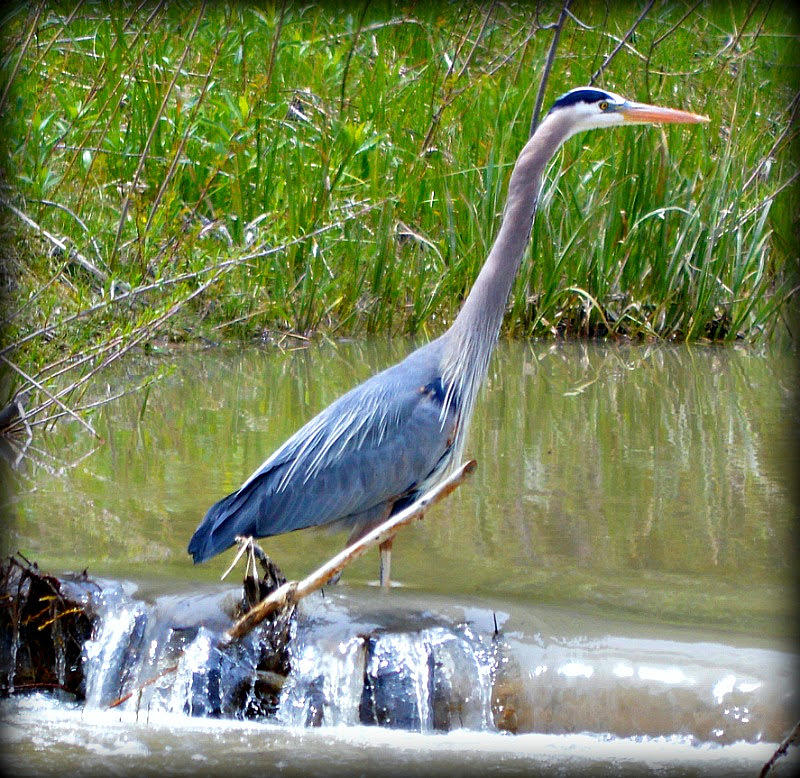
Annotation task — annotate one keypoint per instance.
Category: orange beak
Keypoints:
(641, 113)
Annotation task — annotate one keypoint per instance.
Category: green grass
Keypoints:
(164, 140)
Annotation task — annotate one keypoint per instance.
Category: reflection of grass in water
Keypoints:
(173, 141)
(660, 490)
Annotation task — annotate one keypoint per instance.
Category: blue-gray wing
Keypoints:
(376, 444)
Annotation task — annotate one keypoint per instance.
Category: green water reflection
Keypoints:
(648, 481)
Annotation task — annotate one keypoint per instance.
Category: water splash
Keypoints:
(433, 679)
(107, 656)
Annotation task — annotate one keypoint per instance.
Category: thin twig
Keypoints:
(148, 682)
(292, 591)
(151, 135)
(189, 125)
(791, 740)
(659, 40)
(23, 51)
(369, 28)
(80, 221)
(71, 253)
(95, 404)
(768, 199)
(110, 107)
(551, 55)
(350, 55)
(54, 399)
(795, 104)
(451, 93)
(597, 73)
(478, 39)
(274, 49)
(35, 295)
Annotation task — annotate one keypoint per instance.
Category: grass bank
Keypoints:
(210, 171)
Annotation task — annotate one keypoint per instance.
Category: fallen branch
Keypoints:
(72, 254)
(149, 682)
(293, 591)
(793, 739)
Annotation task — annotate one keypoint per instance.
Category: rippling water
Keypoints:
(647, 480)
(631, 501)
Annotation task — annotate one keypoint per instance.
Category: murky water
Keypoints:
(632, 505)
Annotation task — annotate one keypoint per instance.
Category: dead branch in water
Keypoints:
(293, 591)
(793, 739)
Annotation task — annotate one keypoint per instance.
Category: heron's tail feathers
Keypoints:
(224, 520)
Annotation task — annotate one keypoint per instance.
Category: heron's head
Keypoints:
(587, 108)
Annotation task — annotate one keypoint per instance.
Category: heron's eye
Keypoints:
(603, 105)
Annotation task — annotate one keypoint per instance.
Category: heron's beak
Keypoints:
(641, 113)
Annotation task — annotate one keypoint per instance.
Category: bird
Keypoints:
(387, 441)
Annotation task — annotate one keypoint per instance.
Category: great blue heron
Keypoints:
(387, 441)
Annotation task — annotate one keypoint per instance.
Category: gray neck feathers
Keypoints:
(473, 334)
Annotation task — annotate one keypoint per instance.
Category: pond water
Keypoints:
(637, 491)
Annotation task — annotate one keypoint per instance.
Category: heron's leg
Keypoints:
(386, 562)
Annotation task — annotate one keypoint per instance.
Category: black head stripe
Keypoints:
(580, 96)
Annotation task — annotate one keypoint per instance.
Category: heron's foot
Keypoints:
(248, 545)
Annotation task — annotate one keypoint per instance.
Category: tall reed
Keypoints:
(157, 142)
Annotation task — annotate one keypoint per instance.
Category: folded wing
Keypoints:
(374, 446)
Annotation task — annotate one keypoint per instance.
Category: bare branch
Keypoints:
(293, 591)
(54, 399)
(551, 55)
(74, 255)
(597, 73)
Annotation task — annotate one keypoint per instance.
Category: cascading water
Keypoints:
(411, 666)
(353, 660)
(167, 657)
(107, 657)
(434, 679)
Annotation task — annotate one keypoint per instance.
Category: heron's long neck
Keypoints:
(473, 334)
